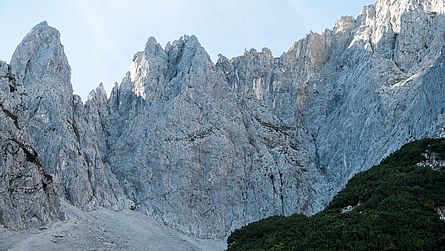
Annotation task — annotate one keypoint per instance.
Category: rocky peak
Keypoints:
(152, 47)
(40, 62)
(405, 32)
(344, 24)
(222, 61)
(65, 133)
(188, 55)
(391, 11)
(145, 66)
(43, 70)
(99, 94)
(158, 74)
(264, 54)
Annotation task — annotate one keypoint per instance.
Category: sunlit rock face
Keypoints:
(199, 149)
(206, 148)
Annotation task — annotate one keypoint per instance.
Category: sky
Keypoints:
(100, 37)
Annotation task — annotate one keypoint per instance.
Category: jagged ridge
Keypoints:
(206, 148)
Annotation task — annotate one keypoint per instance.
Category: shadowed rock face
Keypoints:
(27, 198)
(69, 135)
(208, 147)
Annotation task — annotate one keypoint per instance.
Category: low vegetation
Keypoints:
(392, 206)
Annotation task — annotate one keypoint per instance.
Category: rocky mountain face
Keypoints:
(68, 134)
(206, 148)
(27, 198)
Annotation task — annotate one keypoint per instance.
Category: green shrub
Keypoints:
(394, 209)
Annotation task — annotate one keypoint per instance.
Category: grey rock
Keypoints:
(213, 147)
(27, 198)
(441, 213)
(206, 148)
(65, 132)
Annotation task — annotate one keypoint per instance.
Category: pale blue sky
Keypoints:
(101, 36)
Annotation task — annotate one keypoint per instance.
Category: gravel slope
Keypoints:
(104, 230)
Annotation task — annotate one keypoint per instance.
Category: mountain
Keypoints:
(67, 134)
(396, 205)
(206, 148)
(27, 197)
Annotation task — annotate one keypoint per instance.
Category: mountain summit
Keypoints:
(206, 148)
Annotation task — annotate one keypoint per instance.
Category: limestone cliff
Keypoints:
(207, 147)
(27, 198)
(68, 135)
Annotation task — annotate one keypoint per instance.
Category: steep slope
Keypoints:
(396, 205)
(67, 134)
(206, 148)
(104, 229)
(190, 151)
(258, 135)
(27, 198)
(385, 105)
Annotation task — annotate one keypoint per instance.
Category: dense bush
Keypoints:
(394, 208)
